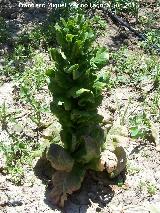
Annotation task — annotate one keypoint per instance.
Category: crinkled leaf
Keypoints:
(87, 99)
(101, 58)
(79, 92)
(69, 37)
(65, 184)
(99, 86)
(135, 132)
(76, 92)
(69, 139)
(56, 55)
(59, 158)
(63, 80)
(90, 150)
(67, 105)
(72, 68)
(59, 34)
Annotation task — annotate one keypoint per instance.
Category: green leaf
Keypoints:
(67, 105)
(50, 72)
(82, 91)
(87, 99)
(76, 92)
(135, 132)
(101, 58)
(76, 74)
(72, 68)
(69, 37)
(56, 55)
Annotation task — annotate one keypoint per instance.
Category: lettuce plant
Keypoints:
(77, 92)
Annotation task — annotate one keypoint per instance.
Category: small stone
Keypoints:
(147, 85)
(158, 148)
(157, 175)
(15, 203)
(2, 52)
(14, 15)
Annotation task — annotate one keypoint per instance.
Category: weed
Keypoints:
(18, 150)
(132, 170)
(141, 185)
(148, 186)
(123, 6)
(152, 40)
(19, 154)
(140, 126)
(135, 68)
(31, 84)
(15, 61)
(154, 106)
(151, 189)
(98, 24)
(6, 116)
(3, 116)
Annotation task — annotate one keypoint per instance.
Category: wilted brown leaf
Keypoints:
(66, 183)
(59, 158)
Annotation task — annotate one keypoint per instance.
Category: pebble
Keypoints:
(15, 203)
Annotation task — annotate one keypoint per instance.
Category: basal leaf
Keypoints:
(65, 183)
(59, 158)
(89, 151)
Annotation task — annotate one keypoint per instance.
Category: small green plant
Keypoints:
(152, 41)
(151, 189)
(76, 89)
(155, 105)
(16, 149)
(98, 24)
(18, 152)
(13, 154)
(31, 83)
(140, 126)
(119, 6)
(148, 186)
(6, 116)
(132, 170)
(141, 185)
(3, 116)
(134, 69)
(15, 61)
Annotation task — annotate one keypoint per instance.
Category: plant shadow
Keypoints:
(96, 188)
